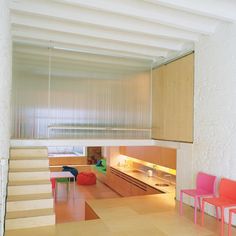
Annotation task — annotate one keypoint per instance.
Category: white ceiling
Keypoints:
(142, 32)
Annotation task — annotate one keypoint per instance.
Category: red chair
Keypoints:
(205, 186)
(231, 212)
(227, 198)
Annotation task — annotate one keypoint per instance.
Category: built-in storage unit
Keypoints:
(172, 100)
(126, 185)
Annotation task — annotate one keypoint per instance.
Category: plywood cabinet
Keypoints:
(126, 185)
(156, 155)
(172, 100)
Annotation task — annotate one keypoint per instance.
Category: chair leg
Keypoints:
(199, 203)
(55, 191)
(181, 203)
(222, 221)
(230, 222)
(67, 188)
(69, 184)
(195, 210)
(203, 209)
(217, 215)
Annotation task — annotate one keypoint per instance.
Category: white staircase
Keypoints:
(29, 199)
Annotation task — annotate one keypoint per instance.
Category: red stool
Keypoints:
(86, 178)
(231, 212)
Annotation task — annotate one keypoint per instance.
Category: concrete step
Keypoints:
(31, 213)
(18, 176)
(29, 201)
(35, 169)
(29, 222)
(29, 204)
(24, 197)
(29, 189)
(31, 152)
(28, 182)
(30, 163)
(29, 158)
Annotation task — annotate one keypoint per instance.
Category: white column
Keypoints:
(5, 89)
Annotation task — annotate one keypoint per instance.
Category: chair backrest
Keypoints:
(206, 182)
(227, 189)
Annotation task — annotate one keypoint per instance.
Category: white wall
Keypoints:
(5, 86)
(214, 148)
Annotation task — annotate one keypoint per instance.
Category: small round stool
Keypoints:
(86, 178)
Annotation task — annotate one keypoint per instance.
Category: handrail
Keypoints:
(69, 127)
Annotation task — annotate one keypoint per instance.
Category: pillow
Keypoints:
(99, 163)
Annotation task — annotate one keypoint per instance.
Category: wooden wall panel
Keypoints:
(80, 168)
(157, 155)
(172, 101)
(63, 161)
(80, 163)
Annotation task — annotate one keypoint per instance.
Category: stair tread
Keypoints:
(28, 147)
(29, 158)
(30, 169)
(29, 182)
(29, 213)
(15, 198)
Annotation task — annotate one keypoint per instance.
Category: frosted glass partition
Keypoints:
(77, 95)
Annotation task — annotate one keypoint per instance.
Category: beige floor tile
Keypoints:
(117, 213)
(85, 228)
(128, 224)
(172, 224)
(146, 232)
(40, 231)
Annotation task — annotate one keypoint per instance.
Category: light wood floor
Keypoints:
(152, 215)
(68, 209)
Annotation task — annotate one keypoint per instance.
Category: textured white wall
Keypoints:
(5, 88)
(5, 78)
(214, 148)
(215, 103)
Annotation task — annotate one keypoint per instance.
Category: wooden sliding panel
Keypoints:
(157, 103)
(172, 100)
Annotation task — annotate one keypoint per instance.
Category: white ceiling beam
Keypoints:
(39, 52)
(148, 12)
(222, 10)
(56, 37)
(23, 59)
(90, 142)
(37, 70)
(65, 47)
(106, 20)
(96, 32)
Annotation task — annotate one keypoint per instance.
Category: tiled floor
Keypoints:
(68, 209)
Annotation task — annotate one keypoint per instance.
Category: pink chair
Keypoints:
(227, 198)
(205, 186)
